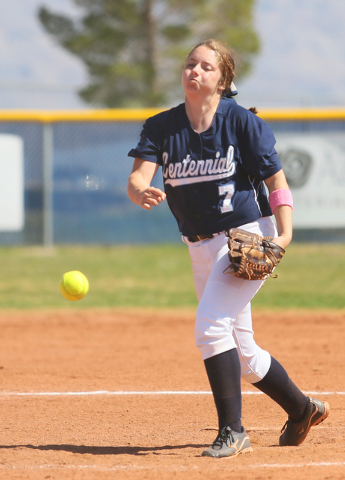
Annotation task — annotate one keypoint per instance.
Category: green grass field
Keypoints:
(311, 276)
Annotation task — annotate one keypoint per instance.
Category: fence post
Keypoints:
(48, 234)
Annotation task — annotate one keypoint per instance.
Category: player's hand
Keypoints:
(151, 197)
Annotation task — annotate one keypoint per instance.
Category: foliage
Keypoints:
(134, 49)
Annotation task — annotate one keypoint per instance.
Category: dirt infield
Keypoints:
(69, 411)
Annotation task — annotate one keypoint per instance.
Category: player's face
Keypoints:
(202, 73)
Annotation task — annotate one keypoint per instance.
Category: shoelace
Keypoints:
(285, 426)
(288, 422)
(224, 436)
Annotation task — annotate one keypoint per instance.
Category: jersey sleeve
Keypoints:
(149, 147)
(257, 149)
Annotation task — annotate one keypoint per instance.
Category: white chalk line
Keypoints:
(173, 469)
(119, 393)
(134, 467)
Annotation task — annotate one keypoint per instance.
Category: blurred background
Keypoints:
(64, 169)
(299, 59)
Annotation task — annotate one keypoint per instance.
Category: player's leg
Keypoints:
(226, 389)
(263, 371)
(269, 376)
(255, 362)
(259, 368)
(278, 385)
(303, 412)
(224, 374)
(221, 297)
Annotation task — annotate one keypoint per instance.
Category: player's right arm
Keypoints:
(139, 187)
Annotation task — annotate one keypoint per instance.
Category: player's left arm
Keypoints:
(282, 213)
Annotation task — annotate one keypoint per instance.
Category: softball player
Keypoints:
(216, 157)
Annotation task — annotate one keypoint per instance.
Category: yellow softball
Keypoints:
(74, 285)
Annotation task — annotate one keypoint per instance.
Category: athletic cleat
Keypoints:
(228, 444)
(294, 434)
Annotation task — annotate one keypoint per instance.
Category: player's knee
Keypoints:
(255, 367)
(212, 336)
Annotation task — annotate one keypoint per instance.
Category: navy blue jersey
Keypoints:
(213, 180)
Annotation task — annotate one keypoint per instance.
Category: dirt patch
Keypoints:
(69, 411)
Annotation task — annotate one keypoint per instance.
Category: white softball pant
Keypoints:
(223, 318)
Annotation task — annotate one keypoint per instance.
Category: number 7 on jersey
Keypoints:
(228, 191)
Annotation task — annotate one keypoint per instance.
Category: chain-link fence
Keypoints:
(75, 170)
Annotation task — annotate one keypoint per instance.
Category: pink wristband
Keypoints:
(282, 196)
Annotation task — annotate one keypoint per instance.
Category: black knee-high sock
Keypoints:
(278, 385)
(224, 375)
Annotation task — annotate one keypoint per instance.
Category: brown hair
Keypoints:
(225, 59)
